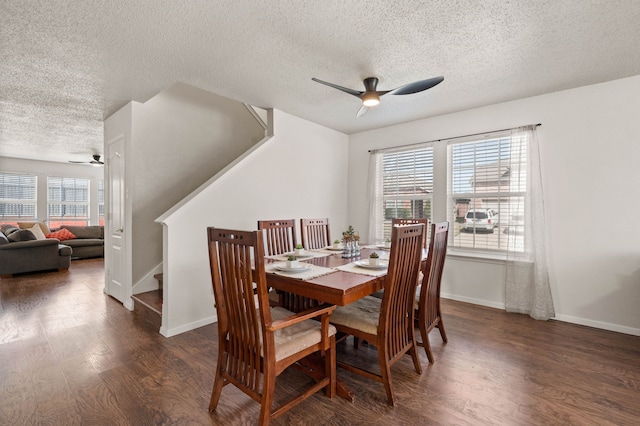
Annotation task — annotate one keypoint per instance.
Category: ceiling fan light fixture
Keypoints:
(370, 99)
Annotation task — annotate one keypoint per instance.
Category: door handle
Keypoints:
(120, 230)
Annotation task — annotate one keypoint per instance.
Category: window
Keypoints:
(101, 202)
(486, 192)
(68, 201)
(406, 185)
(17, 197)
(480, 188)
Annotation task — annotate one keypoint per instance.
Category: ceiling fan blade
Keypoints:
(416, 86)
(335, 86)
(362, 111)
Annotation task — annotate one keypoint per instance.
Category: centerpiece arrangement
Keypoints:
(351, 241)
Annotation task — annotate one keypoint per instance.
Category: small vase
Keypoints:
(374, 261)
(291, 264)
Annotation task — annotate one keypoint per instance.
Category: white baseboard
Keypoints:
(188, 327)
(559, 317)
(598, 324)
(480, 302)
(148, 283)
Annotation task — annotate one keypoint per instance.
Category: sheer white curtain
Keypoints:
(527, 288)
(375, 198)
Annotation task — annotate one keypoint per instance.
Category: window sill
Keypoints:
(498, 258)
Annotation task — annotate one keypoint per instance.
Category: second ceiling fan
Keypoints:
(371, 95)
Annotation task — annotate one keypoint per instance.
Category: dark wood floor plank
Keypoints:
(71, 355)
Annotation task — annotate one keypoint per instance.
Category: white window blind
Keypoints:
(68, 201)
(18, 193)
(406, 187)
(486, 192)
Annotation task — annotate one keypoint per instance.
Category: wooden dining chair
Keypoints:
(427, 300)
(388, 323)
(411, 221)
(256, 345)
(315, 233)
(280, 236)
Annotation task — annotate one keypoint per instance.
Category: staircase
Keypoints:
(149, 304)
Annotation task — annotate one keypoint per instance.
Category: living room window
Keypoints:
(18, 197)
(405, 186)
(101, 202)
(486, 192)
(67, 201)
(477, 183)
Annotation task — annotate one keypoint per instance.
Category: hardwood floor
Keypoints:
(71, 355)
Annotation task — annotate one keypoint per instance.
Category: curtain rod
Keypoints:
(455, 137)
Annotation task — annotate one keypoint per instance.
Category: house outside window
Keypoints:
(68, 201)
(18, 197)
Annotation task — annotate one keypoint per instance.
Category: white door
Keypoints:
(116, 282)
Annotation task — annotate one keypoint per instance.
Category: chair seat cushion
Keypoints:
(297, 337)
(361, 315)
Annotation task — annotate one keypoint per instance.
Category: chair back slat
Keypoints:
(279, 236)
(315, 233)
(433, 269)
(240, 324)
(411, 221)
(397, 314)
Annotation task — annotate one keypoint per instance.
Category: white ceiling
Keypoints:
(67, 65)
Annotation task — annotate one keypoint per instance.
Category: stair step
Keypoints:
(150, 299)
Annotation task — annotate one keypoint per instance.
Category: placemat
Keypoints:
(313, 272)
(352, 267)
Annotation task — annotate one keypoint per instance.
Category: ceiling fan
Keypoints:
(96, 161)
(371, 96)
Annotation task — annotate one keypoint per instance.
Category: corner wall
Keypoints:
(300, 172)
(589, 142)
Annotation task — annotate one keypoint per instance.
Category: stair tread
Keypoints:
(151, 299)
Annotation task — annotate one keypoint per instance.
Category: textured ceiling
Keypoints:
(67, 65)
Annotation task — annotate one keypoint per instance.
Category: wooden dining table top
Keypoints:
(336, 288)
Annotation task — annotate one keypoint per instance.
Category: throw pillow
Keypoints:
(21, 235)
(37, 232)
(28, 225)
(62, 235)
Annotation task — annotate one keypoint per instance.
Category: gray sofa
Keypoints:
(89, 241)
(23, 253)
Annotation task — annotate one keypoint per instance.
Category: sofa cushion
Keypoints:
(93, 231)
(37, 231)
(64, 250)
(28, 225)
(21, 235)
(3, 239)
(62, 235)
(7, 228)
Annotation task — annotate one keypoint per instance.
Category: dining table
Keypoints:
(328, 277)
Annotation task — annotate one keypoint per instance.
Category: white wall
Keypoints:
(590, 147)
(42, 169)
(300, 172)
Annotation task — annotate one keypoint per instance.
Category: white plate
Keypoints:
(383, 247)
(365, 264)
(333, 248)
(306, 255)
(300, 268)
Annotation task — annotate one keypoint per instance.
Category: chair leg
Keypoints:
(356, 342)
(330, 368)
(385, 370)
(267, 399)
(416, 358)
(443, 333)
(425, 341)
(218, 383)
